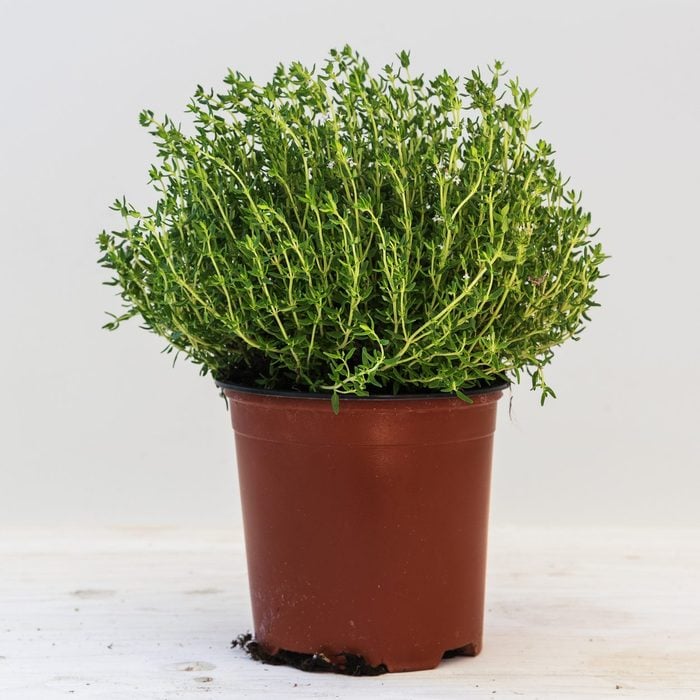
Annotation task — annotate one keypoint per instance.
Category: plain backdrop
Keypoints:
(98, 428)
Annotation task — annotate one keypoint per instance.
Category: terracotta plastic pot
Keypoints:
(366, 531)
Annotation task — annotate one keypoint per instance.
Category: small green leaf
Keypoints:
(463, 396)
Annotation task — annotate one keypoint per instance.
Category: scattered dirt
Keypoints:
(346, 663)
(468, 650)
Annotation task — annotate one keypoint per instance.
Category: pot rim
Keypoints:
(492, 387)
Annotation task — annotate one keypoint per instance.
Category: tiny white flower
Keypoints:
(465, 276)
(437, 218)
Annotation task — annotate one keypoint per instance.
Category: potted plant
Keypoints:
(363, 262)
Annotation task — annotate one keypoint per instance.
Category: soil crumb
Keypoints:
(346, 663)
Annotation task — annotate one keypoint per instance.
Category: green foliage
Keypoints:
(336, 230)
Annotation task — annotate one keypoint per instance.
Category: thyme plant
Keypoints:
(347, 232)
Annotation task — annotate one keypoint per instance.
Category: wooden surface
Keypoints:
(150, 613)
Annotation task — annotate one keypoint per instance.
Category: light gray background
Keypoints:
(97, 428)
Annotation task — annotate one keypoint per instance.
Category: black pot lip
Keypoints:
(491, 388)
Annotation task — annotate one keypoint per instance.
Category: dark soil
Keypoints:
(348, 664)
(249, 376)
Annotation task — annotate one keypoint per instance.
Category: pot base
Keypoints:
(343, 663)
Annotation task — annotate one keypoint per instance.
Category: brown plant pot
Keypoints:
(366, 531)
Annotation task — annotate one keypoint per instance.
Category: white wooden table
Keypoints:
(150, 613)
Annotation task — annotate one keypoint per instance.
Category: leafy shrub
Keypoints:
(345, 232)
